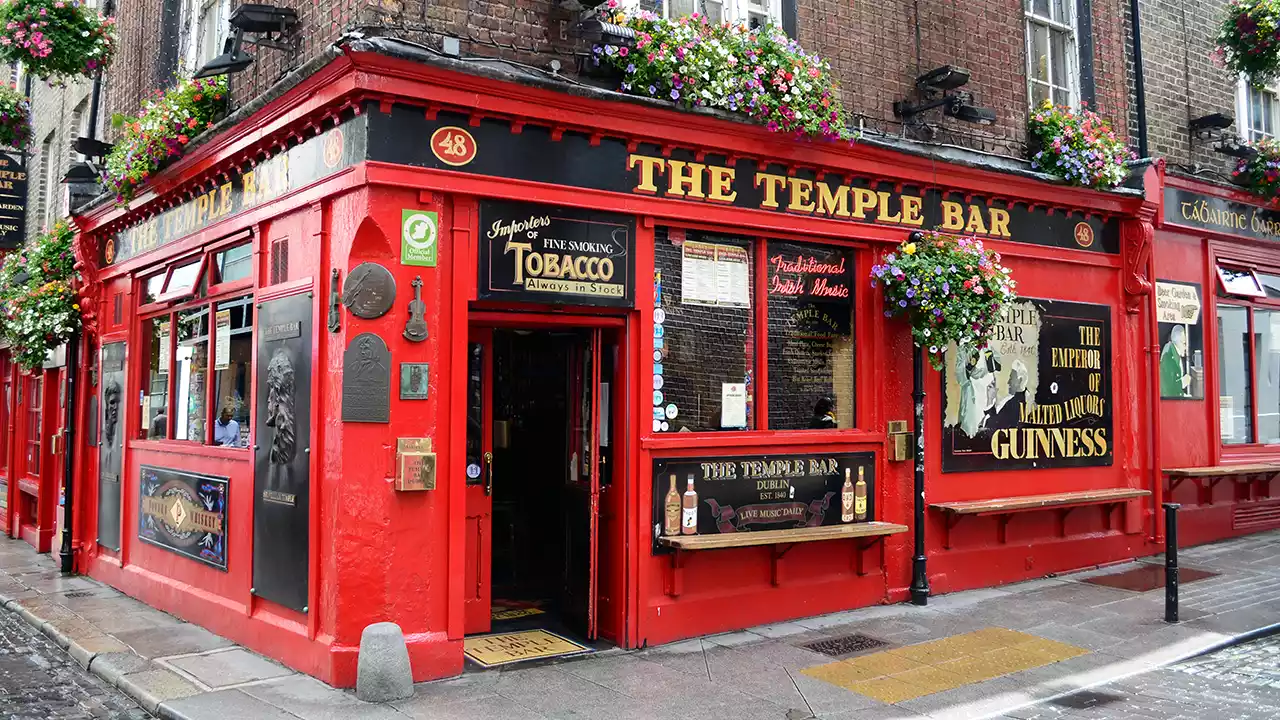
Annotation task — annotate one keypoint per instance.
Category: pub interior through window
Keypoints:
(1248, 356)
(197, 320)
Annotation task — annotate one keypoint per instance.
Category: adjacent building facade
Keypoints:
(430, 330)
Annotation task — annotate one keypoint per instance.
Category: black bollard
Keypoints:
(1171, 562)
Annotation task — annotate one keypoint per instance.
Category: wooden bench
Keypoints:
(1062, 503)
(780, 541)
(1256, 476)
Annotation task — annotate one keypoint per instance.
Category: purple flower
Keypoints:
(902, 303)
(675, 94)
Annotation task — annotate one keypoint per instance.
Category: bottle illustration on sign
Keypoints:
(846, 498)
(860, 497)
(689, 513)
(672, 507)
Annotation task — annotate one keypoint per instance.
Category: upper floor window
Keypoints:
(1053, 68)
(206, 23)
(752, 13)
(1258, 110)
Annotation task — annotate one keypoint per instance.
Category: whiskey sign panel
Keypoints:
(703, 496)
(547, 254)
(1039, 396)
(185, 513)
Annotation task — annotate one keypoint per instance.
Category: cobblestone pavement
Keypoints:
(1237, 683)
(38, 681)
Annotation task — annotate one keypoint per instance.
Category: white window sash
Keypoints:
(1072, 73)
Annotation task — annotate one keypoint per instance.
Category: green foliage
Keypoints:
(15, 118)
(1078, 146)
(56, 39)
(40, 311)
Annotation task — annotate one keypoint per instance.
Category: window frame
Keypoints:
(1244, 111)
(737, 11)
(860, 252)
(1030, 17)
(1250, 304)
(170, 309)
(193, 40)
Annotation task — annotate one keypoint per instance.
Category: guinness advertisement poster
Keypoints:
(13, 201)
(111, 444)
(703, 496)
(581, 160)
(1038, 397)
(281, 462)
(548, 254)
(185, 513)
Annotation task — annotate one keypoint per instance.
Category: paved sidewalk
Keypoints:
(980, 653)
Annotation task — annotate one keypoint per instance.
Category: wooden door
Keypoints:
(612, 438)
(478, 580)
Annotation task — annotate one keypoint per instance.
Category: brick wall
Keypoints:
(58, 114)
(1182, 83)
(876, 50)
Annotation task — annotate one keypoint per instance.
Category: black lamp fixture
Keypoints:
(1213, 126)
(266, 25)
(86, 172)
(937, 88)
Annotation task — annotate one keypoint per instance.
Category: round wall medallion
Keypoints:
(370, 291)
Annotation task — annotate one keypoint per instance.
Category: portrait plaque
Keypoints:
(370, 291)
(366, 380)
(413, 381)
(110, 444)
(281, 456)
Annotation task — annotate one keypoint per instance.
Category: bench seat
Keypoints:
(1254, 475)
(1061, 503)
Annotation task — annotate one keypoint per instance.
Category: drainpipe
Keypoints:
(1139, 84)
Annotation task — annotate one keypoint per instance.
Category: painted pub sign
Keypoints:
(184, 513)
(1039, 396)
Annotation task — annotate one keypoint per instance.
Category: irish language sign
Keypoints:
(1039, 396)
(1207, 212)
(702, 496)
(185, 513)
(548, 254)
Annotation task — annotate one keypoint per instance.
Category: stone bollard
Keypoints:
(382, 671)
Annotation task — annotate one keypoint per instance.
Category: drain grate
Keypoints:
(78, 594)
(845, 645)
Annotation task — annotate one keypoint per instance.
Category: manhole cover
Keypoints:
(78, 594)
(845, 645)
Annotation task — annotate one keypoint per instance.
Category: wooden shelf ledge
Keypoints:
(1062, 503)
(864, 534)
(1207, 477)
(1224, 470)
(781, 537)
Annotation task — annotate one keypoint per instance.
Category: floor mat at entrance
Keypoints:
(505, 648)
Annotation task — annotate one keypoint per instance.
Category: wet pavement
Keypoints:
(38, 681)
(1240, 682)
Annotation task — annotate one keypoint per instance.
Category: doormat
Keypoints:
(1147, 577)
(506, 648)
(513, 610)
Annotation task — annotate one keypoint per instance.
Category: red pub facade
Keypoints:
(433, 344)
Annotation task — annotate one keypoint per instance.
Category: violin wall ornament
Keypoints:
(415, 328)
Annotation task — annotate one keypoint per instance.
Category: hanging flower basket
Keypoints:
(1260, 173)
(42, 312)
(56, 39)
(760, 73)
(15, 118)
(950, 289)
(161, 133)
(1248, 40)
(1077, 146)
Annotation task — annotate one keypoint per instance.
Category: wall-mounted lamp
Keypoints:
(266, 25)
(1213, 126)
(935, 86)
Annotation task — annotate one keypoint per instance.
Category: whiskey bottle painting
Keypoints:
(689, 510)
(859, 495)
(671, 526)
(847, 498)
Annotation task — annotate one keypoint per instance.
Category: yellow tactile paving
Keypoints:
(906, 673)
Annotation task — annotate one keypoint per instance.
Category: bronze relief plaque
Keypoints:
(366, 380)
(370, 291)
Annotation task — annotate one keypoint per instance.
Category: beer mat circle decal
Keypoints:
(506, 648)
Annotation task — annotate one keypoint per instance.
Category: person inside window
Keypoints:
(159, 426)
(824, 415)
(226, 432)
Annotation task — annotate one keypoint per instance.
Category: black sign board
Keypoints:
(582, 160)
(366, 380)
(281, 460)
(111, 444)
(1208, 212)
(1038, 397)
(301, 165)
(705, 496)
(548, 254)
(13, 202)
(185, 513)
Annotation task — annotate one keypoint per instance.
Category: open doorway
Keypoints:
(539, 471)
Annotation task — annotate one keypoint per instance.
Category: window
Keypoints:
(810, 336)
(1052, 64)
(207, 28)
(1240, 281)
(752, 13)
(48, 182)
(199, 350)
(1248, 356)
(721, 341)
(1257, 110)
(35, 398)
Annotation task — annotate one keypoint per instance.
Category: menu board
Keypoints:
(715, 274)
(222, 346)
(750, 493)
